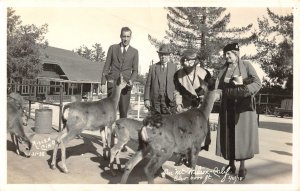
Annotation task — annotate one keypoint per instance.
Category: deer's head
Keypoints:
(121, 82)
(213, 90)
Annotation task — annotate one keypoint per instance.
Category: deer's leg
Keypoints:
(64, 141)
(110, 136)
(137, 157)
(117, 156)
(155, 163)
(193, 158)
(114, 153)
(15, 143)
(105, 149)
(54, 154)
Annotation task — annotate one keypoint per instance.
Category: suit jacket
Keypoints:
(186, 93)
(153, 80)
(115, 64)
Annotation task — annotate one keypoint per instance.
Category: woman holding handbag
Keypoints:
(237, 135)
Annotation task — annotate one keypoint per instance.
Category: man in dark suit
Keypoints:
(121, 58)
(159, 88)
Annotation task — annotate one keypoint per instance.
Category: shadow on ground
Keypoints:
(86, 147)
(285, 127)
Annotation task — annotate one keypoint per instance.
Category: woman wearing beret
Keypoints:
(237, 135)
(190, 87)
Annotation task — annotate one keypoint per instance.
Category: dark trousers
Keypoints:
(124, 98)
(161, 105)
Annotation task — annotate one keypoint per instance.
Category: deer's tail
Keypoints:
(63, 118)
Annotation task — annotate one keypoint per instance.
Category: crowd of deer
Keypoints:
(158, 136)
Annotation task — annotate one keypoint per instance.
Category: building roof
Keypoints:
(75, 67)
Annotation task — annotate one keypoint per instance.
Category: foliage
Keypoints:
(95, 53)
(142, 78)
(275, 49)
(204, 29)
(23, 48)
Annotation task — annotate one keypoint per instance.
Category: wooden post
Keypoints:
(267, 108)
(91, 92)
(29, 101)
(60, 107)
(139, 105)
(72, 89)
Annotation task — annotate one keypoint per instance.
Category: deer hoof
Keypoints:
(65, 170)
(113, 172)
(120, 168)
(105, 157)
(163, 175)
(106, 154)
(53, 166)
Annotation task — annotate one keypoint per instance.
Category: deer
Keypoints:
(16, 122)
(125, 129)
(93, 115)
(177, 133)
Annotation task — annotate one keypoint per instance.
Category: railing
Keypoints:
(31, 98)
(266, 103)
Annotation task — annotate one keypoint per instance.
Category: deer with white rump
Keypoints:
(180, 133)
(94, 115)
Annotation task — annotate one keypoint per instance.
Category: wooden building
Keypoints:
(78, 76)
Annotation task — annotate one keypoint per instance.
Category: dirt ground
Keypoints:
(87, 166)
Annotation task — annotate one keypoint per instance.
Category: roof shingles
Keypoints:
(74, 66)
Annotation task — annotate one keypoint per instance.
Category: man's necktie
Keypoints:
(164, 66)
(124, 51)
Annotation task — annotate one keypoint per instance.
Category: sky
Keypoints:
(71, 27)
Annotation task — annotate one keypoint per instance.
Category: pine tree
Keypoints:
(204, 29)
(275, 49)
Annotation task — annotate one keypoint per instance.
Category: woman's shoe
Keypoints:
(230, 169)
(242, 174)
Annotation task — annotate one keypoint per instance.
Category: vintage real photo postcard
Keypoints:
(182, 94)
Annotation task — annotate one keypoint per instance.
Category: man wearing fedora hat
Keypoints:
(159, 88)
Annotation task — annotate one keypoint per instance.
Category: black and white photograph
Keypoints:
(182, 95)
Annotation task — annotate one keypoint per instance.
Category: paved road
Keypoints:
(84, 158)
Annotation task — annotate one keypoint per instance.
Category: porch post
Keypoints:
(92, 89)
(72, 91)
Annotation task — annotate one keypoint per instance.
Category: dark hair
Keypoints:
(125, 29)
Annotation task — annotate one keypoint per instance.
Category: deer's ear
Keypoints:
(217, 83)
(158, 124)
(149, 126)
